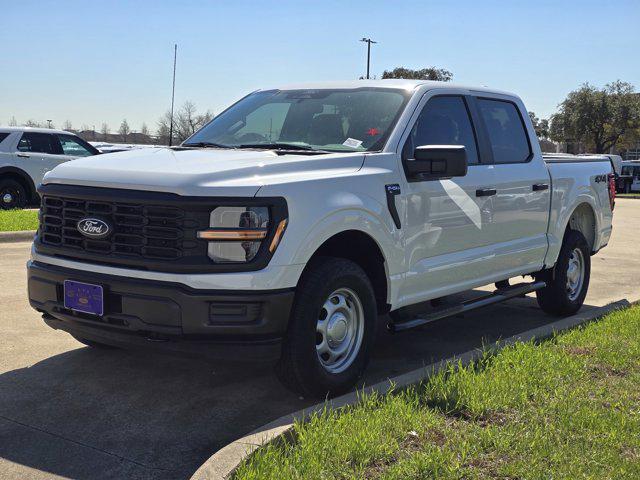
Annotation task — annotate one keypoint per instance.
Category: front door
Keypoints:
(447, 223)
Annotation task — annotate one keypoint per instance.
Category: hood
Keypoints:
(200, 172)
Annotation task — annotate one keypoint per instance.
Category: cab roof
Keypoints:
(396, 83)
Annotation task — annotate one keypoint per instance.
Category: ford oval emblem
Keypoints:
(94, 228)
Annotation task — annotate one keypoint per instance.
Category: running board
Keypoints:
(496, 297)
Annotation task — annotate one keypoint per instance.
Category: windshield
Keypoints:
(334, 120)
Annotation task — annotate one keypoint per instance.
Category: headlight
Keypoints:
(237, 233)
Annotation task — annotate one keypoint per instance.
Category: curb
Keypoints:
(19, 236)
(222, 464)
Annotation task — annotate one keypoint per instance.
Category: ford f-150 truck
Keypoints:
(286, 228)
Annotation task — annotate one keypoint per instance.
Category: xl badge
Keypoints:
(94, 228)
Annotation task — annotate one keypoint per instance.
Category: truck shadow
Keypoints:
(90, 413)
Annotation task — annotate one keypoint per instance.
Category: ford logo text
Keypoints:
(94, 228)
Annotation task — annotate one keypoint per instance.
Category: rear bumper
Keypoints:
(166, 316)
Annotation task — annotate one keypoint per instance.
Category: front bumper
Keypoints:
(170, 317)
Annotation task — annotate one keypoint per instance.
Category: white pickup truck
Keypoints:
(290, 224)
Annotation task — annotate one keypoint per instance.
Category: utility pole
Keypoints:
(368, 42)
(173, 91)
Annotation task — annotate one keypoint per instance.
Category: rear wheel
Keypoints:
(568, 282)
(12, 194)
(331, 329)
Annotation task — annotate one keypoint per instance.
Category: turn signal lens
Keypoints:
(276, 238)
(232, 234)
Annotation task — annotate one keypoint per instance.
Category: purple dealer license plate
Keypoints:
(83, 297)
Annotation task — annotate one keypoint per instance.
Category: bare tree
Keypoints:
(104, 130)
(32, 123)
(186, 122)
(67, 125)
(13, 122)
(124, 130)
(144, 129)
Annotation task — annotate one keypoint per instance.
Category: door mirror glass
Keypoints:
(431, 162)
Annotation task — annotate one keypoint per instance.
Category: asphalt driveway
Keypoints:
(71, 411)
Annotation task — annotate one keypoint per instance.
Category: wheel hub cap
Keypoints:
(575, 274)
(339, 330)
(7, 198)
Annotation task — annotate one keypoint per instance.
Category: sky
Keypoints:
(94, 62)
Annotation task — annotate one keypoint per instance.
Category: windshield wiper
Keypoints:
(207, 144)
(278, 146)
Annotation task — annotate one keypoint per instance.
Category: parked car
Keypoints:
(287, 226)
(26, 154)
(631, 174)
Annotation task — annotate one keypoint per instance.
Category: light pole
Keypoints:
(369, 42)
(49, 122)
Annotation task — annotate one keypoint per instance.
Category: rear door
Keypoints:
(522, 182)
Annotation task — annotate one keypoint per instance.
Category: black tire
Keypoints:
(12, 194)
(300, 367)
(556, 298)
(92, 344)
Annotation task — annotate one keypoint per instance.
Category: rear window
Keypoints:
(38, 142)
(509, 141)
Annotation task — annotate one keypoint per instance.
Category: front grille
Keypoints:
(155, 232)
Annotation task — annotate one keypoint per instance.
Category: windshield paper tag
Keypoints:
(352, 142)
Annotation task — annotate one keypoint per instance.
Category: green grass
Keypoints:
(15, 220)
(567, 408)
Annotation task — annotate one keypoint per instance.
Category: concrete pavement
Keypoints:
(71, 411)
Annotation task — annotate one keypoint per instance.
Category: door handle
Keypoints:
(23, 155)
(486, 192)
(540, 186)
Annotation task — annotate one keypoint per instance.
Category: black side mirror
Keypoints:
(431, 162)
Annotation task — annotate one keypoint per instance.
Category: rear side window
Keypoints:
(443, 121)
(3, 135)
(74, 146)
(509, 141)
(38, 142)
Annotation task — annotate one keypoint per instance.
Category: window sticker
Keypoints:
(352, 142)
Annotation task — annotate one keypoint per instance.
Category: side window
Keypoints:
(71, 146)
(38, 142)
(3, 135)
(508, 137)
(443, 121)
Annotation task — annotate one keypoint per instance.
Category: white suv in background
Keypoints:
(26, 154)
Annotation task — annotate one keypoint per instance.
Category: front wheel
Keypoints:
(568, 282)
(331, 329)
(12, 194)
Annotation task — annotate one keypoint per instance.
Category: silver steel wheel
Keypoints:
(339, 330)
(575, 274)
